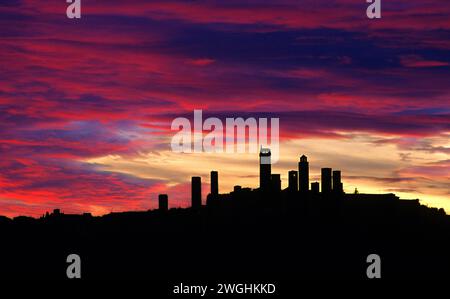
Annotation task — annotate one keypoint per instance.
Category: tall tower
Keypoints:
(265, 168)
(326, 180)
(163, 200)
(303, 173)
(214, 183)
(337, 184)
(293, 180)
(196, 189)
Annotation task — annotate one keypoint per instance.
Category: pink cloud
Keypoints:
(201, 61)
(417, 61)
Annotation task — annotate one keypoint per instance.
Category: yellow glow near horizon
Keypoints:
(370, 167)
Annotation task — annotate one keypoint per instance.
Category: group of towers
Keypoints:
(298, 181)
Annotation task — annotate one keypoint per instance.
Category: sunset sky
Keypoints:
(86, 105)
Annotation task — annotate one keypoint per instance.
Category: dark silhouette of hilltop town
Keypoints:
(306, 231)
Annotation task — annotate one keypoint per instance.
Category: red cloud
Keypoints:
(417, 61)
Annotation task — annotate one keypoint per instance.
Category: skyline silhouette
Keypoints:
(298, 182)
(264, 233)
(95, 97)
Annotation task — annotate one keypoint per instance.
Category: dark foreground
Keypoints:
(244, 238)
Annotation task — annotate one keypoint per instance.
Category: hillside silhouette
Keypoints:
(306, 231)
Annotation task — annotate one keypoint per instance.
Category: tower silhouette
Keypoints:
(326, 180)
(196, 189)
(315, 188)
(337, 184)
(293, 180)
(214, 183)
(265, 168)
(303, 173)
(163, 201)
(276, 182)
